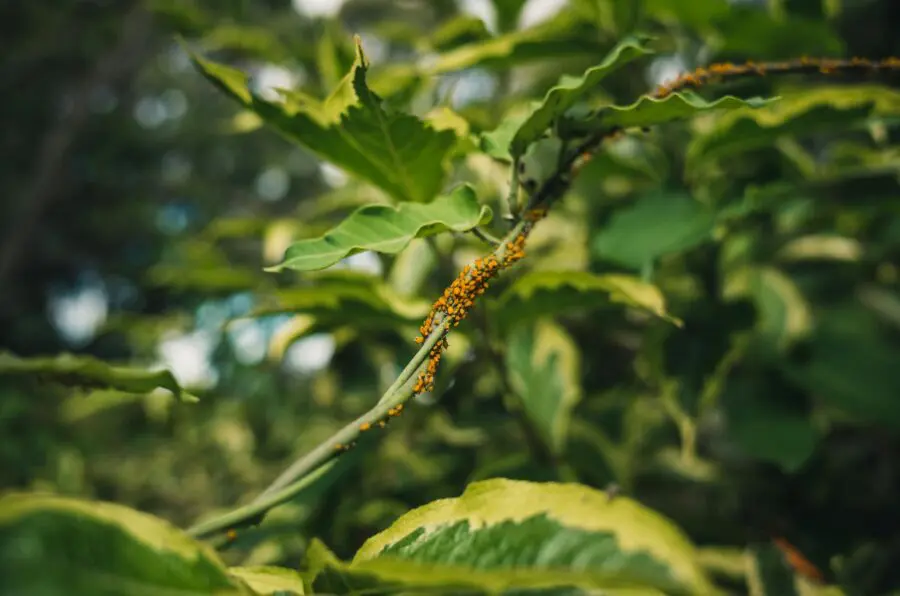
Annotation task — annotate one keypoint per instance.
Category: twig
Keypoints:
(717, 73)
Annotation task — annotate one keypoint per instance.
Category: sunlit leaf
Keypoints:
(570, 90)
(821, 247)
(496, 142)
(503, 534)
(543, 364)
(546, 293)
(276, 581)
(346, 298)
(650, 111)
(561, 36)
(88, 372)
(459, 30)
(411, 267)
(387, 229)
(654, 226)
(58, 545)
(812, 111)
(443, 118)
(258, 42)
(333, 57)
(783, 314)
(397, 152)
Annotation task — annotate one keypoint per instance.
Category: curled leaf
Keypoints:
(546, 293)
(88, 372)
(387, 229)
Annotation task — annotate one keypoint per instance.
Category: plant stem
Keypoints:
(311, 466)
(258, 507)
(486, 236)
(394, 396)
(512, 197)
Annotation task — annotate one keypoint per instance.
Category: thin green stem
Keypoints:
(687, 430)
(312, 465)
(512, 197)
(257, 508)
(485, 236)
(394, 396)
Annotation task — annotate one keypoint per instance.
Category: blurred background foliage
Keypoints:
(141, 205)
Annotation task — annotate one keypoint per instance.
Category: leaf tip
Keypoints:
(360, 54)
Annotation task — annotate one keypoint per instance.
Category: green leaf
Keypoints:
(387, 229)
(412, 267)
(346, 298)
(333, 58)
(851, 366)
(397, 152)
(496, 142)
(546, 293)
(258, 42)
(459, 30)
(783, 314)
(824, 247)
(650, 111)
(699, 14)
(818, 110)
(766, 427)
(443, 118)
(58, 545)
(88, 372)
(503, 534)
(508, 13)
(654, 226)
(269, 580)
(544, 370)
(562, 36)
(570, 90)
(198, 264)
(741, 28)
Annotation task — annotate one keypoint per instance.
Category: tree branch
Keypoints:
(303, 471)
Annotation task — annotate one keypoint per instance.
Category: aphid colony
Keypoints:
(459, 298)
(703, 76)
(395, 411)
